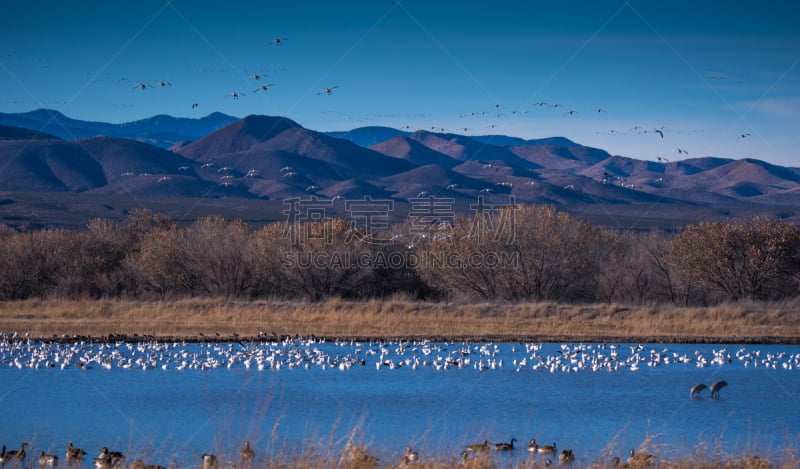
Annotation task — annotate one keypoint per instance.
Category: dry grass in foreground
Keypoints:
(193, 319)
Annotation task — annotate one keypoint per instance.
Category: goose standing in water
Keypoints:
(715, 387)
(74, 454)
(209, 461)
(695, 391)
(476, 447)
(566, 457)
(47, 459)
(532, 446)
(247, 454)
(505, 446)
(410, 455)
(13, 455)
(547, 449)
(108, 459)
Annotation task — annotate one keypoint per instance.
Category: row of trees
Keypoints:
(521, 253)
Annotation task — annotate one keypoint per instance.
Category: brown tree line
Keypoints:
(517, 254)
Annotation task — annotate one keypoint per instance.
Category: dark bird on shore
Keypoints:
(695, 391)
(715, 387)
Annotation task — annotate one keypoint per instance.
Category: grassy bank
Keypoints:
(201, 319)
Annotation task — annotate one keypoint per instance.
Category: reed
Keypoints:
(198, 319)
(353, 454)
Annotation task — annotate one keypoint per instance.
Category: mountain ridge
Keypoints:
(275, 158)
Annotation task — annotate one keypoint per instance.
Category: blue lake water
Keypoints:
(174, 402)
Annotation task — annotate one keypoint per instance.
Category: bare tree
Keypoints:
(757, 258)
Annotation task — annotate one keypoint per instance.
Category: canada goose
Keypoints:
(547, 449)
(13, 455)
(410, 455)
(108, 459)
(695, 391)
(566, 457)
(74, 454)
(247, 452)
(479, 446)
(715, 387)
(47, 459)
(209, 461)
(505, 446)
(532, 445)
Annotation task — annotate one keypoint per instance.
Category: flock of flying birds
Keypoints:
(496, 110)
(143, 86)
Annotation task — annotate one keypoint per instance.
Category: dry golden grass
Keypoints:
(399, 318)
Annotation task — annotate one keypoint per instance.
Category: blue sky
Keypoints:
(702, 72)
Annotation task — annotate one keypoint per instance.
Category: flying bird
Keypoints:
(742, 136)
(263, 88)
(328, 90)
(141, 85)
(659, 132)
(194, 105)
(164, 83)
(234, 94)
(278, 41)
(681, 150)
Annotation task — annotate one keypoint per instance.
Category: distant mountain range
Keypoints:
(274, 158)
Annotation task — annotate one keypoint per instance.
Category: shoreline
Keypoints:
(136, 338)
(220, 320)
